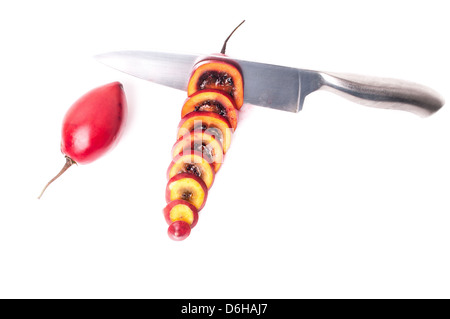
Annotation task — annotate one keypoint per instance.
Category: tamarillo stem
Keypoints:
(69, 162)
(225, 43)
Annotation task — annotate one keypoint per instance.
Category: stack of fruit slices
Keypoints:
(209, 117)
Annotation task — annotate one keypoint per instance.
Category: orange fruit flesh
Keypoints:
(193, 163)
(212, 101)
(219, 75)
(182, 212)
(213, 123)
(188, 189)
(202, 142)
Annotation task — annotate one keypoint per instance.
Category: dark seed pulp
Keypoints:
(211, 106)
(214, 131)
(193, 169)
(214, 80)
(205, 150)
(186, 196)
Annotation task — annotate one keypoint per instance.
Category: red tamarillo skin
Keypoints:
(209, 117)
(179, 230)
(92, 126)
(94, 123)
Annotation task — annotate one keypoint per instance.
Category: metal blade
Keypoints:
(279, 87)
(167, 69)
(265, 84)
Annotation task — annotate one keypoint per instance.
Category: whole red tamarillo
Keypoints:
(92, 126)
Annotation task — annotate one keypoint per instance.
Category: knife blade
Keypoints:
(280, 87)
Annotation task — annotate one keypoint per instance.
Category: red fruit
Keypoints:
(192, 162)
(213, 123)
(219, 73)
(212, 101)
(188, 187)
(181, 210)
(92, 125)
(201, 141)
(179, 230)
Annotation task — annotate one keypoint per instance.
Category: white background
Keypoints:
(338, 201)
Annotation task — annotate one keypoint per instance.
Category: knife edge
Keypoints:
(280, 87)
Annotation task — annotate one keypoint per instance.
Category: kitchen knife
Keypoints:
(281, 87)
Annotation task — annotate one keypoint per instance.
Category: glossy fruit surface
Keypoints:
(93, 124)
(181, 210)
(213, 123)
(220, 75)
(189, 188)
(179, 230)
(212, 101)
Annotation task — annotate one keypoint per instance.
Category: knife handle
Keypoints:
(383, 92)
